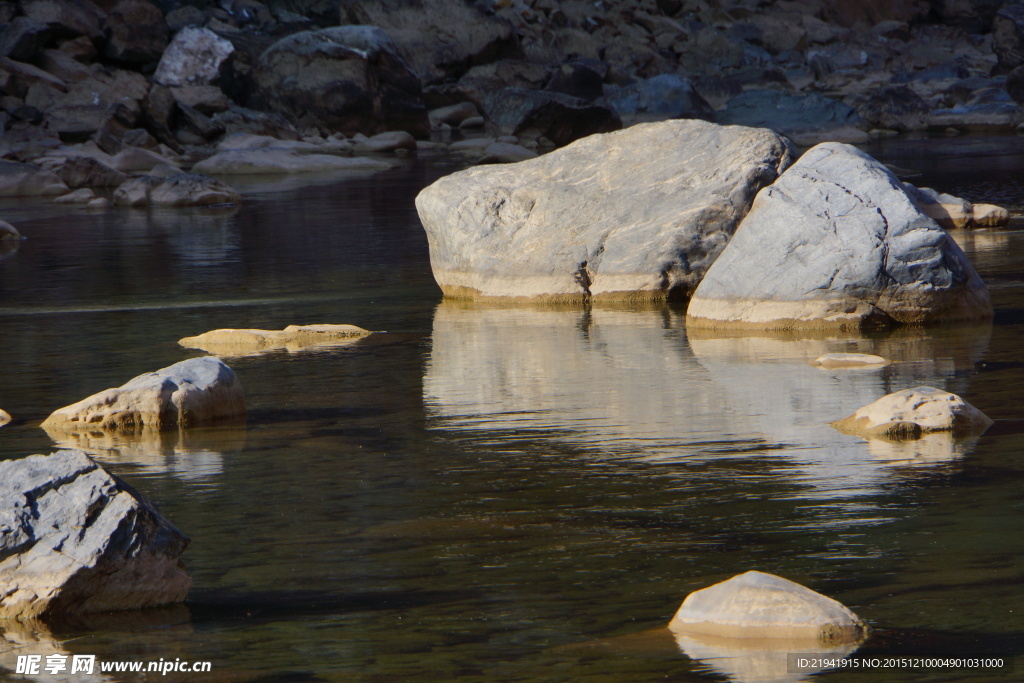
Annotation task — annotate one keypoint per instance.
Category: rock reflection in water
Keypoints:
(757, 660)
(632, 383)
(194, 455)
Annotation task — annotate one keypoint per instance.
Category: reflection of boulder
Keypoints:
(294, 338)
(189, 454)
(32, 638)
(757, 660)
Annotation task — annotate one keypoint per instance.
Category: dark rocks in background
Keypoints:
(532, 114)
(349, 79)
(486, 78)
(658, 98)
(438, 38)
(974, 16)
(195, 56)
(804, 117)
(23, 38)
(136, 32)
(1008, 36)
(583, 79)
(84, 171)
(896, 108)
(67, 18)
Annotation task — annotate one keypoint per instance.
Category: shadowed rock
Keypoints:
(759, 605)
(836, 242)
(77, 540)
(189, 393)
(633, 214)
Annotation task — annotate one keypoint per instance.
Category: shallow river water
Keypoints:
(516, 494)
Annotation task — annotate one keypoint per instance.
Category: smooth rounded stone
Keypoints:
(505, 153)
(910, 413)
(473, 122)
(24, 180)
(137, 159)
(850, 360)
(80, 196)
(78, 540)
(99, 203)
(759, 605)
(294, 338)
(194, 57)
(836, 243)
(453, 114)
(471, 146)
(186, 394)
(389, 141)
(635, 214)
(263, 161)
(990, 216)
(8, 231)
(5, 417)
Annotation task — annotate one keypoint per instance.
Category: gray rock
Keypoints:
(136, 32)
(68, 18)
(836, 242)
(194, 57)
(8, 232)
(637, 214)
(77, 539)
(656, 99)
(23, 180)
(179, 189)
(506, 153)
(205, 99)
(532, 114)
(190, 393)
(23, 38)
(83, 171)
(895, 108)
(799, 116)
(1008, 36)
(911, 413)
(348, 78)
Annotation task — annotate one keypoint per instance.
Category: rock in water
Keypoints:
(186, 394)
(635, 214)
(77, 539)
(232, 342)
(759, 605)
(836, 242)
(910, 413)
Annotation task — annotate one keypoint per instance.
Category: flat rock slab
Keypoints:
(77, 539)
(232, 342)
(836, 242)
(850, 360)
(910, 413)
(635, 214)
(266, 161)
(190, 393)
(759, 605)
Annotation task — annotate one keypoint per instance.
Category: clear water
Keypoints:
(515, 494)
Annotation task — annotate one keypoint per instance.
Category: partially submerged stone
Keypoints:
(178, 189)
(635, 214)
(265, 161)
(77, 539)
(193, 392)
(759, 605)
(24, 180)
(850, 360)
(8, 232)
(910, 413)
(5, 417)
(836, 242)
(241, 342)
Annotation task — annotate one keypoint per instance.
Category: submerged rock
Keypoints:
(836, 242)
(636, 214)
(230, 342)
(850, 360)
(77, 540)
(910, 413)
(759, 605)
(186, 394)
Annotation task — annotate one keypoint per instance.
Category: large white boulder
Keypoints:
(640, 213)
(76, 539)
(186, 394)
(759, 605)
(836, 242)
(913, 412)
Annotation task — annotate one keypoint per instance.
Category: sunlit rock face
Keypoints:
(759, 605)
(836, 242)
(635, 384)
(910, 413)
(78, 540)
(294, 338)
(192, 392)
(635, 214)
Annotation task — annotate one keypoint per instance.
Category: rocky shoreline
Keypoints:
(176, 79)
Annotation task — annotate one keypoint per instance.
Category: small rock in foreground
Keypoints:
(186, 394)
(759, 605)
(77, 539)
(910, 413)
(8, 231)
(231, 342)
(850, 360)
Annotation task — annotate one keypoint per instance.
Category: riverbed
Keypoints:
(488, 493)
